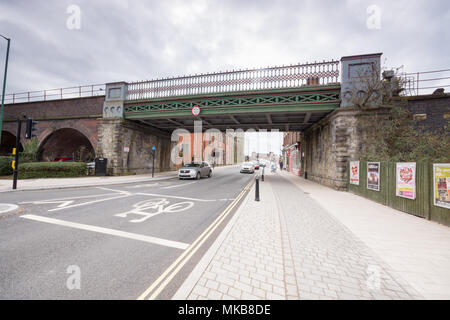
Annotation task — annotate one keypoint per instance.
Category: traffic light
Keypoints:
(30, 128)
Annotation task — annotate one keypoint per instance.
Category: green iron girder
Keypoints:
(320, 100)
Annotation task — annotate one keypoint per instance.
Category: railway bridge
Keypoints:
(122, 121)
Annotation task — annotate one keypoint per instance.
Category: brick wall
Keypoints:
(78, 108)
(435, 107)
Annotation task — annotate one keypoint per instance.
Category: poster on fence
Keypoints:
(405, 184)
(441, 180)
(354, 172)
(373, 176)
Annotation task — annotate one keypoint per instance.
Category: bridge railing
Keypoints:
(292, 76)
(56, 94)
(419, 83)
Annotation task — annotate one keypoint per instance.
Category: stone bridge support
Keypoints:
(128, 147)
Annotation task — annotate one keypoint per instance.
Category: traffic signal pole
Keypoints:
(16, 156)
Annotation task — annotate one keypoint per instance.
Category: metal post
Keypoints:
(16, 158)
(4, 87)
(417, 83)
(262, 176)
(257, 189)
(153, 166)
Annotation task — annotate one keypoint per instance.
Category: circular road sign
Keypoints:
(195, 111)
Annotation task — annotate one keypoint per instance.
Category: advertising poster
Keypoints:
(406, 180)
(441, 180)
(373, 176)
(354, 172)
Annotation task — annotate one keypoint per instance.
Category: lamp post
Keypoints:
(4, 86)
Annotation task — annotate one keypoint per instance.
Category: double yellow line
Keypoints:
(164, 279)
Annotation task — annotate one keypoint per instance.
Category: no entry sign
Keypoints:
(195, 111)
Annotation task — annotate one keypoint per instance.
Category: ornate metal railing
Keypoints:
(292, 76)
(56, 94)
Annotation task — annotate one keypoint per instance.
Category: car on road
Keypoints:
(195, 170)
(63, 159)
(256, 165)
(247, 167)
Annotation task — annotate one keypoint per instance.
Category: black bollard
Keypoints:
(257, 189)
(262, 176)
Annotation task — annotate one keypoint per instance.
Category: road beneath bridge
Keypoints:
(121, 239)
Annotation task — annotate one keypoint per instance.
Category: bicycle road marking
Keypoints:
(153, 207)
(113, 232)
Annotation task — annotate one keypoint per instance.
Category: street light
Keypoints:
(4, 86)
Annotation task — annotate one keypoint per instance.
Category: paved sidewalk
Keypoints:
(59, 183)
(90, 181)
(293, 245)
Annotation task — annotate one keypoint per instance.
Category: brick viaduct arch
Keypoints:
(56, 134)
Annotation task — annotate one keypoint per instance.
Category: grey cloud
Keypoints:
(138, 40)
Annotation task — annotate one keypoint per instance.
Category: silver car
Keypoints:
(247, 167)
(195, 170)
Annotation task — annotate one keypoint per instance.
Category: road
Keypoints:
(112, 242)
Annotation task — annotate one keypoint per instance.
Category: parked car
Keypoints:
(63, 159)
(195, 170)
(247, 167)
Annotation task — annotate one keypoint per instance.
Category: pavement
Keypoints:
(90, 181)
(303, 240)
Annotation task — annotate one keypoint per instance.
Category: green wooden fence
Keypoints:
(423, 206)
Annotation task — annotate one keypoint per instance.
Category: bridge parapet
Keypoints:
(284, 77)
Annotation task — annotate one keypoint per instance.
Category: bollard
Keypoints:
(257, 189)
(262, 176)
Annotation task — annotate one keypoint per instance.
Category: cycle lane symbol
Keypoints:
(153, 207)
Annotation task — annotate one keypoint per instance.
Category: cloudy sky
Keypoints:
(119, 40)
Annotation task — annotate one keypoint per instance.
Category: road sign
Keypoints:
(195, 111)
(126, 149)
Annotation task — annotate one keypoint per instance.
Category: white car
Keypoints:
(248, 167)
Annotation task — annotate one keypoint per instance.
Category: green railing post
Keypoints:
(4, 86)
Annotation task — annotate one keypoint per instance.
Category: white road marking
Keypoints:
(70, 198)
(115, 190)
(153, 207)
(89, 202)
(118, 233)
(179, 185)
(143, 185)
(175, 197)
(7, 207)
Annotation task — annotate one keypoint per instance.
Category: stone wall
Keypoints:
(329, 145)
(116, 134)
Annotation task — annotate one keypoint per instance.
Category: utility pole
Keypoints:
(4, 86)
